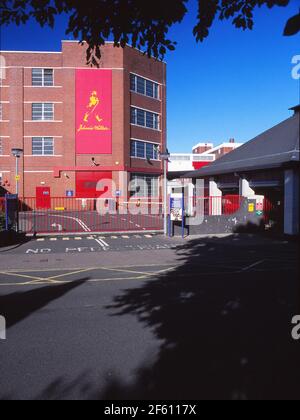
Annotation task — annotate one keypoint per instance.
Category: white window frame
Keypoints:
(43, 70)
(43, 141)
(43, 111)
(136, 77)
(145, 143)
(145, 111)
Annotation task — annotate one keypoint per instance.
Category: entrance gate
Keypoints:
(78, 215)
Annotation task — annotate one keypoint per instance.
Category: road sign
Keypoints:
(70, 194)
(260, 206)
(251, 207)
(176, 208)
(17, 177)
(118, 194)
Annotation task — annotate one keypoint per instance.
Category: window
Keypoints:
(42, 77)
(143, 150)
(141, 86)
(144, 186)
(144, 118)
(144, 87)
(42, 146)
(1, 147)
(43, 112)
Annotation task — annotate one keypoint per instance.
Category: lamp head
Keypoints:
(17, 152)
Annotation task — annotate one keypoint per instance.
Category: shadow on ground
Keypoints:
(12, 239)
(225, 328)
(226, 335)
(18, 306)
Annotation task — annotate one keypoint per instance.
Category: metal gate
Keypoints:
(90, 215)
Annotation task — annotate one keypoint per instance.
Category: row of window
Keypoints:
(144, 118)
(41, 146)
(45, 78)
(144, 87)
(44, 146)
(143, 150)
(140, 117)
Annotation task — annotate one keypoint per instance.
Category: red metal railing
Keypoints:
(77, 215)
(217, 206)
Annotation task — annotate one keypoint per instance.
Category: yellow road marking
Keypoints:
(53, 279)
(69, 274)
(22, 275)
(49, 270)
(126, 271)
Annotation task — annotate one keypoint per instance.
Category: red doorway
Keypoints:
(43, 198)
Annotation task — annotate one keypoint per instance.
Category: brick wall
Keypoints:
(59, 171)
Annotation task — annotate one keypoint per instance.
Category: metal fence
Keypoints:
(78, 215)
(217, 206)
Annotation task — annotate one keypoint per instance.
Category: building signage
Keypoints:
(251, 208)
(70, 194)
(93, 111)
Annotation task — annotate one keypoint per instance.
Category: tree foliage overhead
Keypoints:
(141, 23)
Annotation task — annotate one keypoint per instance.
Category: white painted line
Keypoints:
(90, 238)
(103, 244)
(125, 237)
(53, 239)
(78, 239)
(80, 222)
(65, 239)
(253, 265)
(40, 240)
(148, 236)
(114, 237)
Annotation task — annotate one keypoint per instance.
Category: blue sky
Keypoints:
(235, 84)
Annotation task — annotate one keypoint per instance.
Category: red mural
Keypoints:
(93, 111)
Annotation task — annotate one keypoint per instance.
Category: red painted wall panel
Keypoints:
(94, 112)
(86, 184)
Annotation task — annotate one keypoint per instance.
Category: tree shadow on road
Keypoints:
(15, 307)
(226, 331)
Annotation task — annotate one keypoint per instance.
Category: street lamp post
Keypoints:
(17, 153)
(165, 157)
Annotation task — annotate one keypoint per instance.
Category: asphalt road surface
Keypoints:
(165, 319)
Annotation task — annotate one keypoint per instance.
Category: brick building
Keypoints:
(79, 125)
(208, 149)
